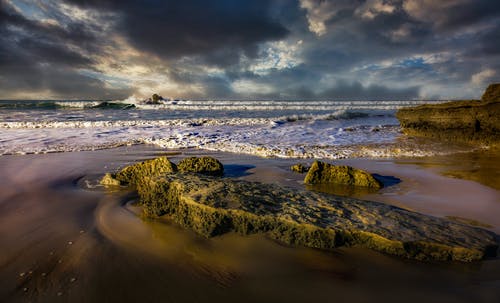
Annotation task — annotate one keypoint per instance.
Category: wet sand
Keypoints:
(64, 239)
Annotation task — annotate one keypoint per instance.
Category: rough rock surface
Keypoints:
(136, 173)
(472, 121)
(109, 179)
(202, 165)
(321, 173)
(213, 206)
(299, 168)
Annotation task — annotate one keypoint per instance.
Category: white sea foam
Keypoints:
(76, 104)
(226, 105)
(287, 129)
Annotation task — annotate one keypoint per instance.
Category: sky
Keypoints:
(249, 49)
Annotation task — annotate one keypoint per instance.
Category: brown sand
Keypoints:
(65, 240)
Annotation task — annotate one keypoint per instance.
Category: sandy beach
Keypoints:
(65, 238)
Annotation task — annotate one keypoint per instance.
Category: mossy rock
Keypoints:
(299, 168)
(323, 173)
(492, 93)
(213, 206)
(147, 169)
(201, 165)
(109, 180)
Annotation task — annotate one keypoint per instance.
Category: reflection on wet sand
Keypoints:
(65, 241)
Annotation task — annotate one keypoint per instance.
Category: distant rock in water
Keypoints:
(113, 105)
(155, 99)
(213, 206)
(472, 121)
(321, 173)
(203, 165)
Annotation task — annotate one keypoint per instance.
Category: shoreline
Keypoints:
(46, 209)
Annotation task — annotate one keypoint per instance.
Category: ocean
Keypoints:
(286, 129)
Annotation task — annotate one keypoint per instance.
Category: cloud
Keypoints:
(319, 12)
(372, 8)
(250, 49)
(219, 31)
(451, 14)
(481, 77)
(43, 59)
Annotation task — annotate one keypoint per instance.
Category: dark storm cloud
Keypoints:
(453, 15)
(39, 57)
(489, 41)
(373, 49)
(217, 30)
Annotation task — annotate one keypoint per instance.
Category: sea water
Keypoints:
(300, 129)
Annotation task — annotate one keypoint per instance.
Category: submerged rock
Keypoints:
(299, 168)
(202, 165)
(214, 206)
(470, 121)
(321, 173)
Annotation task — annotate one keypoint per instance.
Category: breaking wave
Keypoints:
(309, 129)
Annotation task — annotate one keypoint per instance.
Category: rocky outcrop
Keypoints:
(323, 173)
(137, 173)
(473, 121)
(214, 206)
(134, 174)
(492, 93)
(202, 165)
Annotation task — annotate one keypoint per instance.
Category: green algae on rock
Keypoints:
(213, 206)
(321, 173)
(136, 173)
(109, 180)
(202, 165)
(471, 121)
(299, 168)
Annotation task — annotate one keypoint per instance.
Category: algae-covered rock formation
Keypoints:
(136, 173)
(110, 180)
(472, 121)
(213, 206)
(202, 165)
(321, 173)
(299, 168)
